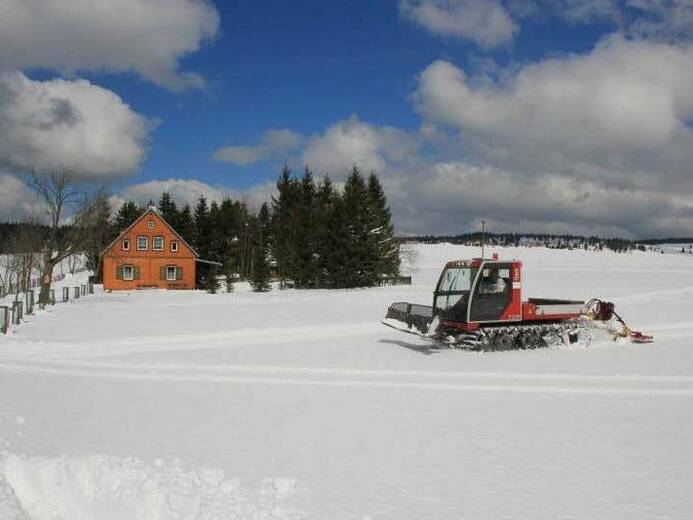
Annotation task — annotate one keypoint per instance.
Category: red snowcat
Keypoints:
(477, 304)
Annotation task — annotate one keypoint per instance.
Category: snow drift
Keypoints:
(111, 488)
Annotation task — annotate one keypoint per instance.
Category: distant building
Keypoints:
(149, 253)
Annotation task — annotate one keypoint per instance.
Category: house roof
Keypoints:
(158, 215)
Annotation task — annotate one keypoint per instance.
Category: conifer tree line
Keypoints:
(323, 237)
(311, 235)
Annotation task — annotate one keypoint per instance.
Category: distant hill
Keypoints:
(593, 243)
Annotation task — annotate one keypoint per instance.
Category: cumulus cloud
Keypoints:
(68, 123)
(485, 22)
(661, 20)
(18, 202)
(622, 111)
(585, 11)
(147, 37)
(188, 191)
(667, 20)
(451, 197)
(274, 144)
(352, 142)
(491, 23)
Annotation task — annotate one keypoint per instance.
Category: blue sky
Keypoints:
(304, 67)
(536, 115)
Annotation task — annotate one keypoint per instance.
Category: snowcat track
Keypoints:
(520, 337)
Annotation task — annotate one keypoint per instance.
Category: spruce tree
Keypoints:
(241, 246)
(202, 228)
(167, 209)
(217, 238)
(127, 214)
(384, 249)
(326, 233)
(284, 226)
(335, 251)
(261, 274)
(357, 271)
(227, 231)
(212, 280)
(185, 226)
(229, 275)
(305, 274)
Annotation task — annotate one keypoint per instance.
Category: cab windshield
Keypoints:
(452, 291)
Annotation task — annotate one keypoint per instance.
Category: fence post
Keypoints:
(66, 294)
(91, 287)
(51, 296)
(17, 313)
(29, 301)
(4, 319)
(83, 290)
(76, 292)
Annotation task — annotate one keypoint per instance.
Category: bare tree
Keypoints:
(22, 260)
(62, 195)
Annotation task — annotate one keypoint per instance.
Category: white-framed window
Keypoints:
(158, 243)
(174, 245)
(128, 272)
(150, 224)
(171, 272)
(142, 243)
(126, 244)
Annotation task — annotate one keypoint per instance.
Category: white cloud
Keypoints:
(449, 197)
(147, 37)
(353, 142)
(586, 11)
(188, 191)
(620, 113)
(667, 20)
(485, 22)
(17, 201)
(73, 124)
(274, 144)
(661, 20)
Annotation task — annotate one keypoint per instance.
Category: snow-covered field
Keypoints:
(299, 404)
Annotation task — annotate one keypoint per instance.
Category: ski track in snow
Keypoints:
(191, 342)
(465, 381)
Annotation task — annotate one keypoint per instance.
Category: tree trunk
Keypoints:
(46, 280)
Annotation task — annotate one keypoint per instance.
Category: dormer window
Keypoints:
(142, 243)
(158, 243)
(174, 246)
(150, 224)
(126, 244)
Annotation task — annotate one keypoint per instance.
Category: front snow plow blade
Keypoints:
(409, 317)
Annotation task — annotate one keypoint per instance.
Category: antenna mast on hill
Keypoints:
(483, 237)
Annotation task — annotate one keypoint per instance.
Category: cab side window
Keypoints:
(494, 280)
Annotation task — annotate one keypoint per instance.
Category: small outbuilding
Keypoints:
(149, 254)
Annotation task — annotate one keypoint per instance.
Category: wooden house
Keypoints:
(149, 254)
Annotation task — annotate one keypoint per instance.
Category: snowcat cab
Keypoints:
(477, 291)
(468, 293)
